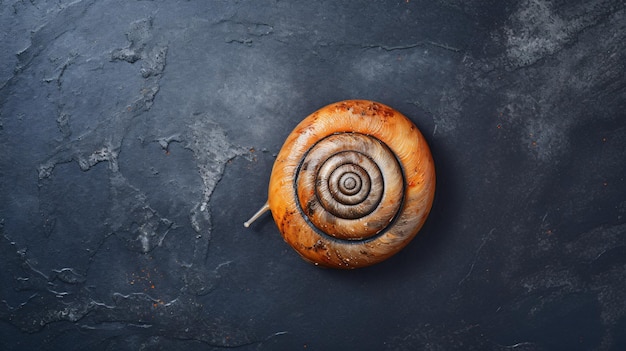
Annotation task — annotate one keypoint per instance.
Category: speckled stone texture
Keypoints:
(137, 136)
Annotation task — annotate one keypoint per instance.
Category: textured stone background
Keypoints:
(137, 136)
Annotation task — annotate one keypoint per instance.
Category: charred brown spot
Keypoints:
(319, 245)
(373, 109)
(382, 111)
(344, 106)
(310, 207)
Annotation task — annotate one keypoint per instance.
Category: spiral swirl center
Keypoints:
(345, 182)
(350, 186)
(349, 183)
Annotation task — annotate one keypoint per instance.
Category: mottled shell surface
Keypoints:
(352, 185)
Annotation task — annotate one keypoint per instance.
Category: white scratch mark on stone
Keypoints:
(471, 269)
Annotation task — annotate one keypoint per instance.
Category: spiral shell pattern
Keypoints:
(352, 185)
(342, 178)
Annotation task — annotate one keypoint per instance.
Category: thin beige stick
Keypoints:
(258, 214)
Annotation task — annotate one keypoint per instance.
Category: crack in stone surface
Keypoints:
(412, 46)
(242, 32)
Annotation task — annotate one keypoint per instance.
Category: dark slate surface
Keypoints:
(137, 136)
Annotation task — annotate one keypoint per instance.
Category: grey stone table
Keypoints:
(137, 136)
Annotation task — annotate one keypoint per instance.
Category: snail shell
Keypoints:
(352, 185)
